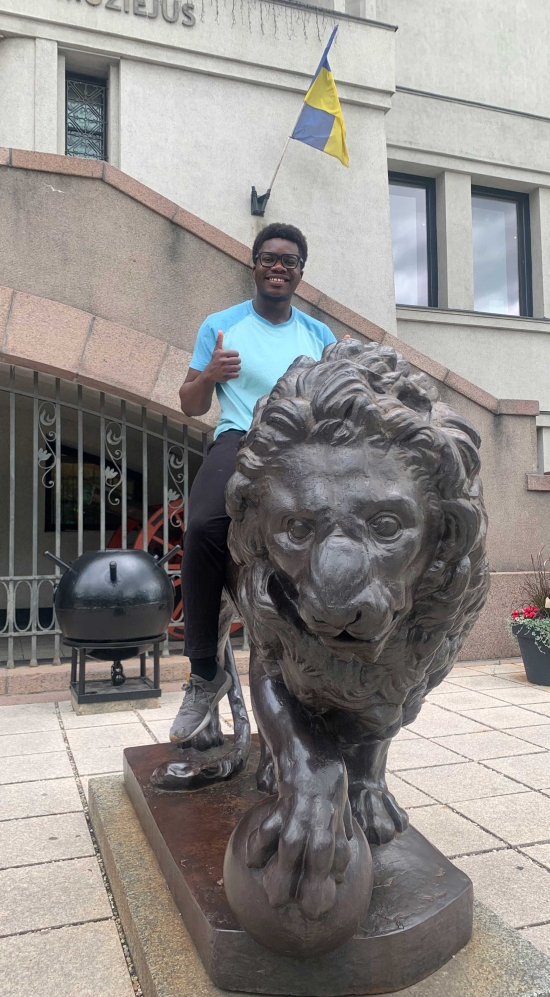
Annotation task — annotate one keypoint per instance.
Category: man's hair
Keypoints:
(278, 230)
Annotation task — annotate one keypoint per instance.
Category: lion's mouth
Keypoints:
(346, 638)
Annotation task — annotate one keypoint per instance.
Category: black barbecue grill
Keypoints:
(112, 605)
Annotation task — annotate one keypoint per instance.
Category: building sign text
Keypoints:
(170, 10)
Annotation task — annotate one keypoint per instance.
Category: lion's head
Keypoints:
(360, 496)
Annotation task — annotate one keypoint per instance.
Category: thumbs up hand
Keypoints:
(225, 365)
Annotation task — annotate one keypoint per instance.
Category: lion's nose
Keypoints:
(341, 620)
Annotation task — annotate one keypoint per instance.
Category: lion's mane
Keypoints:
(360, 392)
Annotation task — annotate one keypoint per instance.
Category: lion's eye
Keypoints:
(298, 529)
(386, 527)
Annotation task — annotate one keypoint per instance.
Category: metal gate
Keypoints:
(82, 470)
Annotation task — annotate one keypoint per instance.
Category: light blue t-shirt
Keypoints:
(266, 353)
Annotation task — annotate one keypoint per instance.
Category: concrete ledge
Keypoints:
(498, 962)
(538, 482)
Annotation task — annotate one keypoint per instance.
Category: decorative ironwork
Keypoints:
(46, 454)
(96, 459)
(176, 472)
(113, 475)
(86, 117)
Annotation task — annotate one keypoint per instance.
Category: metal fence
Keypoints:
(83, 470)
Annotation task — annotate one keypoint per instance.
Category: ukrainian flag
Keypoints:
(321, 123)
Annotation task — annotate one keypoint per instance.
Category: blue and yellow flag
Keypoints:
(321, 123)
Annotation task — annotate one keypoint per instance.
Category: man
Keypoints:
(241, 352)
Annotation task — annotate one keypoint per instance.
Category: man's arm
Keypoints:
(197, 389)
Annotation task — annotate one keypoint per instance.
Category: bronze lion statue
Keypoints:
(359, 568)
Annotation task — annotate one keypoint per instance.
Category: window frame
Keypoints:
(97, 81)
(525, 267)
(428, 184)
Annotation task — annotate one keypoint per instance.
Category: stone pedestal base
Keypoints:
(420, 914)
(497, 962)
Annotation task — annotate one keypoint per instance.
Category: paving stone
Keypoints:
(44, 839)
(30, 768)
(405, 734)
(510, 884)
(466, 781)
(539, 852)
(488, 744)
(435, 722)
(419, 753)
(407, 796)
(462, 669)
(99, 761)
(58, 893)
(31, 744)
(500, 668)
(448, 685)
(17, 710)
(125, 735)
(83, 960)
(166, 712)
(452, 834)
(522, 819)
(538, 936)
(505, 717)
(520, 695)
(462, 700)
(161, 729)
(542, 708)
(520, 678)
(533, 770)
(28, 721)
(73, 722)
(482, 683)
(536, 735)
(36, 799)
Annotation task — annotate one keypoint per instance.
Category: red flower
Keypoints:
(527, 613)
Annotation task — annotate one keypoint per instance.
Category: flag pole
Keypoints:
(258, 202)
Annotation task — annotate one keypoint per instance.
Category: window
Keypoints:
(86, 117)
(502, 257)
(412, 213)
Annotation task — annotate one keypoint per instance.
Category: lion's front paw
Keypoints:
(377, 812)
(303, 844)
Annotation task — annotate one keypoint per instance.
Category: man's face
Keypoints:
(277, 282)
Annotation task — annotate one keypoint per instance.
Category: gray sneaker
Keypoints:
(200, 699)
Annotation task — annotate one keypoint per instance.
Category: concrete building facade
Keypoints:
(110, 262)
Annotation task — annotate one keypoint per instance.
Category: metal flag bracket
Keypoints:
(258, 202)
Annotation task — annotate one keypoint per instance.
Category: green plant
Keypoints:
(536, 587)
(534, 618)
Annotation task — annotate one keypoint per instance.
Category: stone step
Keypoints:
(49, 678)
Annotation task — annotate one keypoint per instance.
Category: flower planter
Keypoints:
(535, 659)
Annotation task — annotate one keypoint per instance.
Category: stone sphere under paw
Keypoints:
(287, 930)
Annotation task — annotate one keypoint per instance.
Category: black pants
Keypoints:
(203, 567)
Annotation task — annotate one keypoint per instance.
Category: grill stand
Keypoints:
(102, 696)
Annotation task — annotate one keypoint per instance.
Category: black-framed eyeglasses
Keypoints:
(289, 260)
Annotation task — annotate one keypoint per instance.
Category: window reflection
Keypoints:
(496, 260)
(410, 243)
